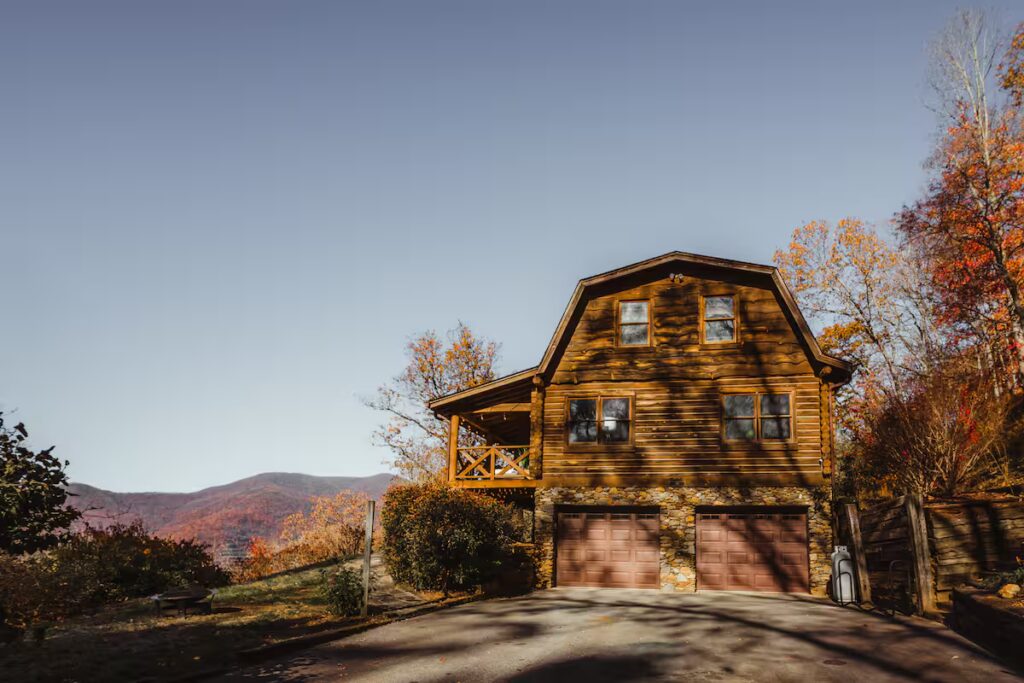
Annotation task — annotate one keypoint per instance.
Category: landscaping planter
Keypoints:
(993, 622)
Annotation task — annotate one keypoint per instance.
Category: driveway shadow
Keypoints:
(566, 635)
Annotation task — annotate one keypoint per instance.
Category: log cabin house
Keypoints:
(676, 434)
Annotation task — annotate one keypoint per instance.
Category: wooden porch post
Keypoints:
(537, 429)
(453, 448)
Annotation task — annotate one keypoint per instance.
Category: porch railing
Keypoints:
(488, 463)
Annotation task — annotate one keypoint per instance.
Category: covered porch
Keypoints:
(494, 435)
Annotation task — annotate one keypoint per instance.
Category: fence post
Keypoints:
(859, 559)
(918, 535)
(367, 553)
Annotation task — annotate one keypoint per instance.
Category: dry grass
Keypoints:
(128, 642)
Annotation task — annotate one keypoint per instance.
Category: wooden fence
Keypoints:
(970, 538)
(907, 551)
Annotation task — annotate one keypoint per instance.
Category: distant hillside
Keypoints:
(220, 515)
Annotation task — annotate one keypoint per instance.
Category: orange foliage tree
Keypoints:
(871, 307)
(868, 302)
(1012, 68)
(968, 228)
(945, 434)
(417, 439)
(333, 528)
(935, 323)
(259, 561)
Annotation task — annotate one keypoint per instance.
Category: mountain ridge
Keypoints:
(220, 515)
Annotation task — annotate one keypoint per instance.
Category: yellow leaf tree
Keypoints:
(436, 367)
(334, 527)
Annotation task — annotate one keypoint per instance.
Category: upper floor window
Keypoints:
(634, 323)
(719, 319)
(757, 416)
(600, 420)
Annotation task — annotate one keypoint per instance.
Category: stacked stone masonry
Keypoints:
(678, 536)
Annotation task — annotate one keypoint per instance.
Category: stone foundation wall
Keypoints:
(678, 523)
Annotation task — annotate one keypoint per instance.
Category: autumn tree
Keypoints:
(259, 561)
(869, 304)
(1012, 68)
(33, 494)
(968, 228)
(876, 309)
(334, 527)
(436, 367)
(945, 434)
(933, 323)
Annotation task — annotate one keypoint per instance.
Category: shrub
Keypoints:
(942, 435)
(30, 594)
(441, 538)
(124, 561)
(98, 566)
(343, 590)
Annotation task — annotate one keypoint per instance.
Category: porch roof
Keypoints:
(510, 393)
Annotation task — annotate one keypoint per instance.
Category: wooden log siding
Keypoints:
(827, 449)
(677, 432)
(768, 345)
(676, 384)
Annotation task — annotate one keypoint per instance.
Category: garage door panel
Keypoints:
(738, 582)
(572, 554)
(792, 559)
(760, 549)
(712, 558)
(615, 549)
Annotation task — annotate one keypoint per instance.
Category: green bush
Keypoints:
(343, 590)
(441, 538)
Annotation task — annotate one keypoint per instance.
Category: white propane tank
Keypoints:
(842, 576)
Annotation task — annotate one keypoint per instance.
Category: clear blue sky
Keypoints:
(221, 221)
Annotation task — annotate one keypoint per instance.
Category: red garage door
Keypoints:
(608, 548)
(752, 549)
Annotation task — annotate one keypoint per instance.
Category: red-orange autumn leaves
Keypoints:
(933, 316)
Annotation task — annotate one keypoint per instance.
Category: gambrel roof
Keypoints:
(517, 385)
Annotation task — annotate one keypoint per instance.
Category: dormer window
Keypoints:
(719, 319)
(634, 323)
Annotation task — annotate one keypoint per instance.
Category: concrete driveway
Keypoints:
(567, 635)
